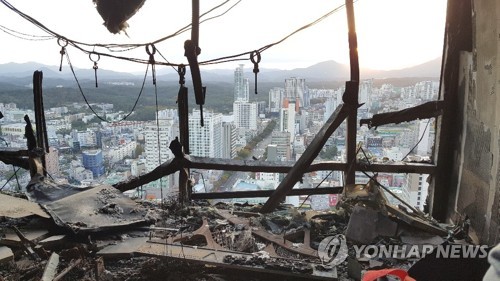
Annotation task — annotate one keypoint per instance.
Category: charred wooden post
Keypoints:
(184, 186)
(183, 109)
(35, 154)
(423, 111)
(459, 37)
(41, 127)
(351, 94)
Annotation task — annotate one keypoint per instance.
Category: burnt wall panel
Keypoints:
(478, 156)
(477, 169)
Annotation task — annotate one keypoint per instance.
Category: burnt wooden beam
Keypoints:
(183, 109)
(423, 111)
(266, 193)
(205, 163)
(17, 158)
(398, 167)
(169, 167)
(41, 127)
(313, 149)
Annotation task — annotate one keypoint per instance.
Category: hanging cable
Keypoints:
(63, 43)
(309, 195)
(418, 142)
(117, 47)
(10, 178)
(151, 54)
(25, 36)
(87, 102)
(125, 47)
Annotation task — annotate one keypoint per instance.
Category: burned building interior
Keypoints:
(60, 232)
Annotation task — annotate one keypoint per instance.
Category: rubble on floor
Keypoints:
(96, 234)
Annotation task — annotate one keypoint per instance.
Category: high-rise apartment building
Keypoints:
(295, 89)
(241, 85)
(206, 141)
(229, 136)
(245, 115)
(275, 100)
(157, 140)
(287, 118)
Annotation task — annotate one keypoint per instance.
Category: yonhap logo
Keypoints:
(333, 250)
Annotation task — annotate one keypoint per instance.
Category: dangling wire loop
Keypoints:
(151, 54)
(95, 59)
(63, 43)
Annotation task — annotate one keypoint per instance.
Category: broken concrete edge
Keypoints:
(50, 270)
(416, 221)
(33, 235)
(14, 207)
(6, 255)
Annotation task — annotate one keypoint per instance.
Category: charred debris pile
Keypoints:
(56, 232)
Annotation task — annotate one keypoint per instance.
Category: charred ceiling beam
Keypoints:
(424, 111)
(16, 158)
(169, 167)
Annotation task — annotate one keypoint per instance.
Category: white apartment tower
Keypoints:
(245, 115)
(241, 85)
(295, 89)
(229, 136)
(287, 119)
(206, 141)
(158, 152)
(245, 112)
(419, 189)
(365, 92)
(275, 99)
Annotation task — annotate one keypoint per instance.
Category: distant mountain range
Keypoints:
(16, 74)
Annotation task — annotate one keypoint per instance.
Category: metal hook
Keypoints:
(255, 59)
(63, 49)
(95, 67)
(181, 69)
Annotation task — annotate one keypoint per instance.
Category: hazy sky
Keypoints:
(392, 34)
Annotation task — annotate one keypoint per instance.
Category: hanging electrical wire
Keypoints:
(25, 36)
(90, 106)
(117, 47)
(418, 142)
(127, 47)
(262, 49)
